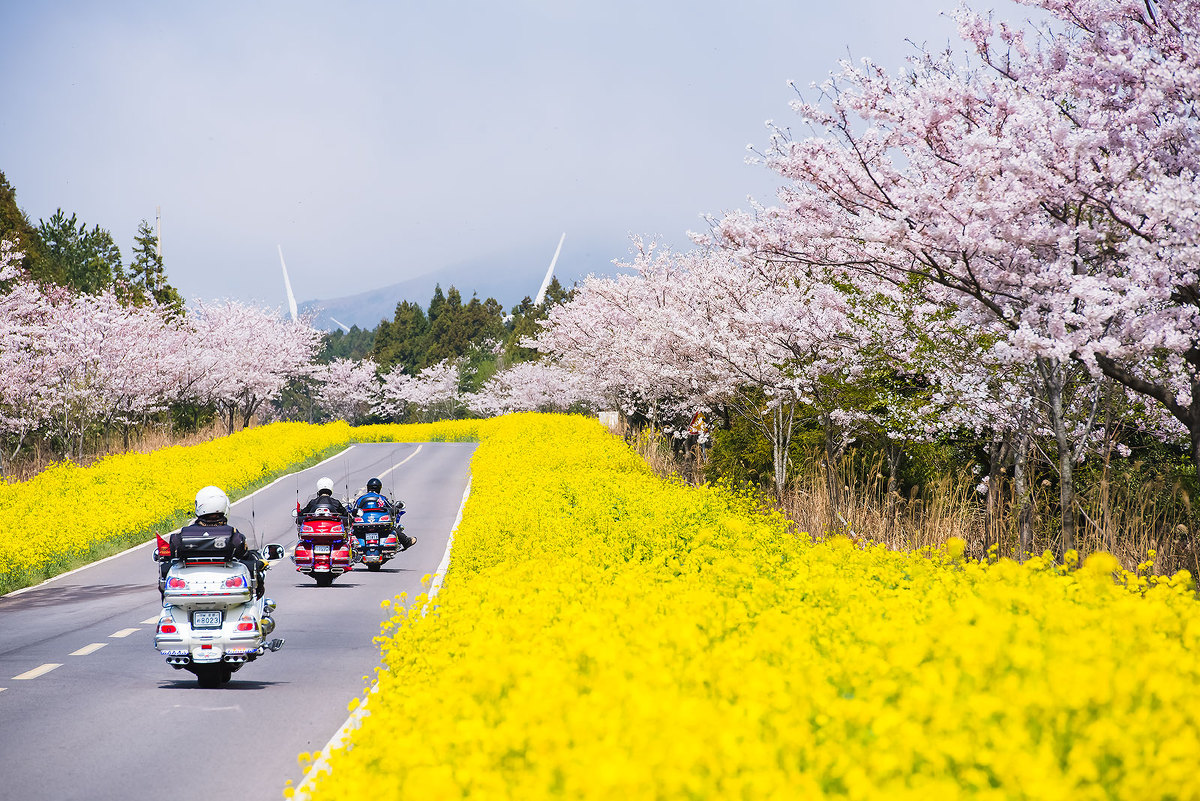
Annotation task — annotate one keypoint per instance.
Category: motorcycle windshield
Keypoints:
(246, 526)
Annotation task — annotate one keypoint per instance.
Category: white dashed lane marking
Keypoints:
(123, 633)
(37, 671)
(89, 649)
(150, 621)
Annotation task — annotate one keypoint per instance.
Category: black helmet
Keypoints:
(374, 485)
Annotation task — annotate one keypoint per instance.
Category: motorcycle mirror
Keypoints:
(154, 555)
(274, 551)
(295, 512)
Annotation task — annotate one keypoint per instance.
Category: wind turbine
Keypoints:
(287, 284)
(541, 295)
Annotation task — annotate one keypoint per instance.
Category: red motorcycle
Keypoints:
(323, 549)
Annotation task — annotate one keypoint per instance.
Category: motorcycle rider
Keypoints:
(325, 500)
(375, 490)
(212, 520)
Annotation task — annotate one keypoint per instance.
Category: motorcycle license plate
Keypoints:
(320, 549)
(206, 620)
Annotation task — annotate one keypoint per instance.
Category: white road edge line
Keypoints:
(393, 467)
(41, 670)
(88, 649)
(321, 764)
(123, 633)
(143, 544)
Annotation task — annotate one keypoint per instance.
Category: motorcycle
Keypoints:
(323, 550)
(374, 529)
(211, 623)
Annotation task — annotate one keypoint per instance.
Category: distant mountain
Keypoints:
(508, 278)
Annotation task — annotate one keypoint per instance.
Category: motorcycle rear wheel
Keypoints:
(324, 579)
(210, 676)
(374, 566)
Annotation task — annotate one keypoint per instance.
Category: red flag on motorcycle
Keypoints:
(164, 547)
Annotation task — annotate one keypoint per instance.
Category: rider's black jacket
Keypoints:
(328, 502)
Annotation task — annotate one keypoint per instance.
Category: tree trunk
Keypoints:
(998, 453)
(832, 481)
(1054, 380)
(248, 413)
(1106, 526)
(892, 452)
(1022, 498)
(781, 440)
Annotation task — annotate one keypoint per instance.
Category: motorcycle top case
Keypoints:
(207, 542)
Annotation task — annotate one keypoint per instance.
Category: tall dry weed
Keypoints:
(151, 438)
(1128, 522)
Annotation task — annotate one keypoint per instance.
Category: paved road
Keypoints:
(112, 720)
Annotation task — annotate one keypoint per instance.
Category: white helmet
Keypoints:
(211, 501)
(325, 484)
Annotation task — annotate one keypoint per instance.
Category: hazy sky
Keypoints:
(378, 141)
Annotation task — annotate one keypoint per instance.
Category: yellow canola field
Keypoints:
(604, 634)
(68, 515)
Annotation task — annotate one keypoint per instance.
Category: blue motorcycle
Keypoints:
(374, 528)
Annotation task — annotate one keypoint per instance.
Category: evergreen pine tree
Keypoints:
(147, 278)
(73, 256)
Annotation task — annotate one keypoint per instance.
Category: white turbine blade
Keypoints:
(345, 327)
(541, 295)
(287, 284)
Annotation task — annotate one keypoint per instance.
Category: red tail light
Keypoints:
(166, 627)
(236, 581)
(176, 583)
(245, 625)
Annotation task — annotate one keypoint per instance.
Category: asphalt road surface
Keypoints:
(89, 710)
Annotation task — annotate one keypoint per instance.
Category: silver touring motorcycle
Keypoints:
(211, 623)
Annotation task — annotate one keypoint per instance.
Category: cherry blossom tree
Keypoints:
(1046, 193)
(432, 394)
(76, 364)
(690, 330)
(25, 382)
(240, 356)
(533, 386)
(113, 364)
(346, 388)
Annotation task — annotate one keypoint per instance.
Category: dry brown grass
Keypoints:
(925, 517)
(35, 460)
(1129, 523)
